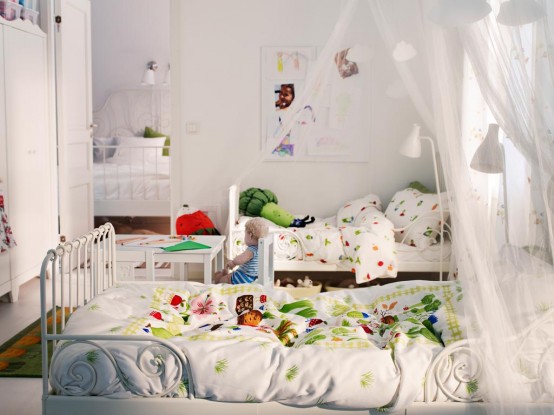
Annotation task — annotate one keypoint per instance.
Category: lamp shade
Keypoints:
(404, 51)
(148, 77)
(489, 156)
(411, 147)
(519, 12)
(458, 12)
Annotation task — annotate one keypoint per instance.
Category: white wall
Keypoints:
(219, 43)
(126, 34)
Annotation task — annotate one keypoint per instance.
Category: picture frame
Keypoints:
(325, 136)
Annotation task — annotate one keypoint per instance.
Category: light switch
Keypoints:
(192, 127)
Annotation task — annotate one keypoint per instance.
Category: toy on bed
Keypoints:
(247, 261)
(263, 202)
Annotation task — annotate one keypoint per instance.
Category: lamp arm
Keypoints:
(437, 185)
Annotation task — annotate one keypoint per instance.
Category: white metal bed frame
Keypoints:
(441, 267)
(137, 204)
(126, 113)
(92, 257)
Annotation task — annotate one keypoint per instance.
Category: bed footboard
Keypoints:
(455, 372)
(136, 184)
(152, 361)
(71, 275)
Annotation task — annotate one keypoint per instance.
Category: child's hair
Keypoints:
(257, 227)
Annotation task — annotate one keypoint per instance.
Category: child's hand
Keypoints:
(230, 264)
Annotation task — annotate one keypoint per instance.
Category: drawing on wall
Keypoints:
(345, 103)
(327, 126)
(287, 62)
(346, 68)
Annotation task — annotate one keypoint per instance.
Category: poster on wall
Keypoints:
(322, 130)
(287, 62)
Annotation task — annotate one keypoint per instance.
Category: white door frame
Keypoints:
(74, 141)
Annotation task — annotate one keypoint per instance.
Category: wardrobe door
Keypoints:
(30, 162)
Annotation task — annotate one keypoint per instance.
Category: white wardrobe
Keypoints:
(27, 152)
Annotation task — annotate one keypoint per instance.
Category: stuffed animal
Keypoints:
(263, 202)
(192, 221)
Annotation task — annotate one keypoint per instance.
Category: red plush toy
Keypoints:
(192, 221)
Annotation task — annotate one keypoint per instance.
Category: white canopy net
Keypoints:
(468, 75)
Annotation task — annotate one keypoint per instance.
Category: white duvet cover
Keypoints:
(364, 348)
(117, 181)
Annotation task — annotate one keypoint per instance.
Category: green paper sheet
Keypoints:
(185, 246)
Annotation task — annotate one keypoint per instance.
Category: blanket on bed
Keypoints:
(359, 239)
(364, 348)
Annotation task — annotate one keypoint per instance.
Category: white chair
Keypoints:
(266, 270)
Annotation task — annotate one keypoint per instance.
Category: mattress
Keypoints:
(131, 181)
(365, 348)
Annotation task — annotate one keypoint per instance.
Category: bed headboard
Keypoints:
(128, 111)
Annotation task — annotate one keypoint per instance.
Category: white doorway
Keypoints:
(126, 36)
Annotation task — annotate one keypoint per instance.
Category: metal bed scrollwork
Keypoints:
(75, 272)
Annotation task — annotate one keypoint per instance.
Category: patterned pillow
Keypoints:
(418, 213)
(348, 214)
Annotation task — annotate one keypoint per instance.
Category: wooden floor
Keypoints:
(141, 225)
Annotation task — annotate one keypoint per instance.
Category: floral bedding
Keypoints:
(363, 348)
(359, 239)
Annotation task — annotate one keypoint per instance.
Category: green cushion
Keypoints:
(151, 133)
(419, 186)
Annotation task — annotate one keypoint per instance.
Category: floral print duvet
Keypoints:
(362, 348)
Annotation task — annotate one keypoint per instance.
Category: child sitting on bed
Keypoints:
(247, 262)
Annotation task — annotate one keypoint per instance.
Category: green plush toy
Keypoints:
(263, 202)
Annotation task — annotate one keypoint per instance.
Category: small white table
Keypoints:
(144, 253)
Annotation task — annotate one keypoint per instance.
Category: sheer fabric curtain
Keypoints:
(462, 79)
(509, 282)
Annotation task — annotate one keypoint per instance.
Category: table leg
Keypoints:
(219, 260)
(180, 270)
(149, 256)
(207, 269)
